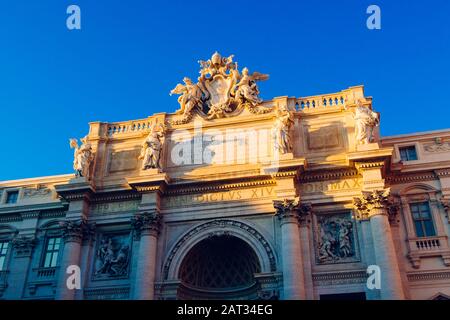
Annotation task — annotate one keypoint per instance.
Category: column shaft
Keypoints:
(386, 258)
(70, 256)
(144, 286)
(293, 279)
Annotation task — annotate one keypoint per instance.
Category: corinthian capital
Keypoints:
(147, 223)
(372, 203)
(286, 209)
(74, 230)
(304, 213)
(291, 210)
(23, 245)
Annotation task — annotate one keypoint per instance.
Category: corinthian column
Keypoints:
(72, 236)
(146, 229)
(291, 251)
(374, 206)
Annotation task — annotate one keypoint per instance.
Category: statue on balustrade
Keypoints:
(191, 97)
(152, 148)
(83, 157)
(247, 90)
(221, 91)
(281, 131)
(366, 120)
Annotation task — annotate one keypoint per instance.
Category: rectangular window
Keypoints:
(11, 197)
(3, 251)
(423, 221)
(51, 252)
(408, 153)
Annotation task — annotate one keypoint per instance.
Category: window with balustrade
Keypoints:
(51, 252)
(3, 254)
(423, 220)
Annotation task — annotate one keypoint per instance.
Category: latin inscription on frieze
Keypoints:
(231, 195)
(104, 208)
(330, 186)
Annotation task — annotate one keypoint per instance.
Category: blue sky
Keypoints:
(129, 54)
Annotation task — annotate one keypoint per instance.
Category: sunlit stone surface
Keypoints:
(234, 197)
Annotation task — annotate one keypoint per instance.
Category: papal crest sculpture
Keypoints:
(221, 91)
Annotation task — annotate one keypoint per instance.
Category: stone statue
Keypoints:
(191, 96)
(221, 91)
(152, 148)
(246, 90)
(281, 131)
(83, 157)
(366, 120)
(110, 261)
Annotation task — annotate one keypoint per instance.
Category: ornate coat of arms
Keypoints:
(221, 91)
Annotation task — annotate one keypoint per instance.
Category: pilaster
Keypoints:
(23, 247)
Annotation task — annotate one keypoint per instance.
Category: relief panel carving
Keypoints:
(335, 239)
(112, 256)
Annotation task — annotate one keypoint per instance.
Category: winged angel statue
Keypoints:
(221, 90)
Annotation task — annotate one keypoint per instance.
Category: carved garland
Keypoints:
(222, 224)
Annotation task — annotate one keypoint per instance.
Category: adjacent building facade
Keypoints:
(232, 197)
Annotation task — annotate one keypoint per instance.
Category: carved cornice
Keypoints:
(147, 184)
(443, 172)
(147, 223)
(147, 188)
(30, 215)
(53, 214)
(364, 165)
(23, 245)
(428, 276)
(373, 203)
(335, 278)
(115, 197)
(210, 187)
(285, 174)
(107, 293)
(413, 177)
(328, 175)
(76, 191)
(10, 218)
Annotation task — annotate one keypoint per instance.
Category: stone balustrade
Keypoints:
(135, 126)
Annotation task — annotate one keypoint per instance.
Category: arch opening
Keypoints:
(219, 267)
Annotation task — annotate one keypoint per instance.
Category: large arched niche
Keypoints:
(223, 227)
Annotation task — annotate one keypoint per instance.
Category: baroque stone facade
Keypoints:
(234, 197)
